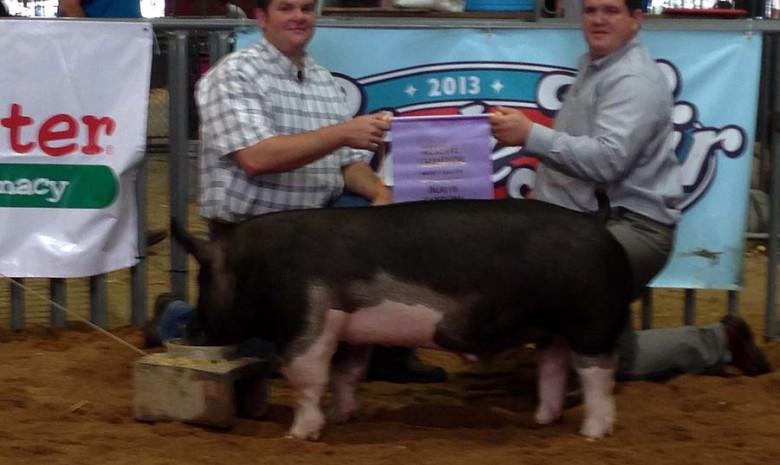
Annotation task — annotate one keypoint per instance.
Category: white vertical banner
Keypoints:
(73, 104)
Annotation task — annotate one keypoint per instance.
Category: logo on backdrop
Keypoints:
(58, 185)
(473, 88)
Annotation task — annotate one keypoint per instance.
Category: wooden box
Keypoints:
(206, 392)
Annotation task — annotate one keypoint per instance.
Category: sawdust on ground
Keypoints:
(67, 398)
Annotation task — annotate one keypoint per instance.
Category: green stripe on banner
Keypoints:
(57, 186)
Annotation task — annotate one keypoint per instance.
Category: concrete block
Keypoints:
(206, 392)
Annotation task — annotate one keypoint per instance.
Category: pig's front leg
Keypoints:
(308, 375)
(349, 369)
(553, 365)
(597, 375)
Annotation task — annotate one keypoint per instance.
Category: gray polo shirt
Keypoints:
(613, 131)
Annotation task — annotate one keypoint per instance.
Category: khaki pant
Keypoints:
(662, 352)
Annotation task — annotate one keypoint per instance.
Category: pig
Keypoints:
(474, 277)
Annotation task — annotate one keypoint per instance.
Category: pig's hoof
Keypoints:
(341, 414)
(599, 419)
(597, 428)
(547, 416)
(308, 428)
(305, 435)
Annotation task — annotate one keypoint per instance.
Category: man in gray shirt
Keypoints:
(613, 134)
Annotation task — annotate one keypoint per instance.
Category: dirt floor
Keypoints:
(66, 397)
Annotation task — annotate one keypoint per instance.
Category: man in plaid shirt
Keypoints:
(276, 133)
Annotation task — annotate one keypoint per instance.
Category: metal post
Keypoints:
(763, 117)
(57, 294)
(139, 272)
(220, 44)
(98, 301)
(572, 10)
(179, 138)
(17, 304)
(647, 309)
(770, 330)
(690, 306)
(538, 8)
(733, 302)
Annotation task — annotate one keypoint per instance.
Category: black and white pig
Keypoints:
(470, 276)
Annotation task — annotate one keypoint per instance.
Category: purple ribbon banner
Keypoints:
(442, 157)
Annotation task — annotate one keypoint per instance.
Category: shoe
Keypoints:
(402, 365)
(155, 236)
(151, 337)
(745, 354)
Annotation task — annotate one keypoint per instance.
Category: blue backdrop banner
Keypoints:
(715, 76)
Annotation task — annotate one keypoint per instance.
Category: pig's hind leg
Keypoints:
(349, 369)
(553, 369)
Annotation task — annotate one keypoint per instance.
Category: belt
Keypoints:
(623, 212)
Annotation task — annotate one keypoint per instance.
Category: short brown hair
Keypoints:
(630, 4)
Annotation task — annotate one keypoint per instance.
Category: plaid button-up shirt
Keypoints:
(254, 94)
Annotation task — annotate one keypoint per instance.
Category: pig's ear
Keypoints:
(199, 248)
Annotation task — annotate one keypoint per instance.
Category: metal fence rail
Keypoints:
(181, 43)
